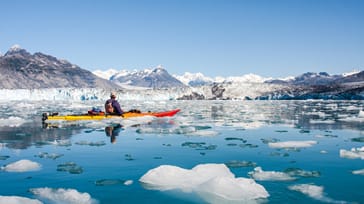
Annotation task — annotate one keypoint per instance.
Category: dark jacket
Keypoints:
(116, 106)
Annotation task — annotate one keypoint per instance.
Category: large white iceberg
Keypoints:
(61, 195)
(22, 166)
(214, 182)
(18, 200)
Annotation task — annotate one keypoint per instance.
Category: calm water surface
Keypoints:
(106, 159)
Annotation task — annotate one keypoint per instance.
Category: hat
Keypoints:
(112, 94)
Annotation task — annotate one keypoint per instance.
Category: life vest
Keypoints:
(108, 107)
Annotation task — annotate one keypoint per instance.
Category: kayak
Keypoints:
(101, 116)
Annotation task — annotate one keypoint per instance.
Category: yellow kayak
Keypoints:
(52, 117)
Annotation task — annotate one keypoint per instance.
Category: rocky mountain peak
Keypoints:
(21, 70)
(17, 51)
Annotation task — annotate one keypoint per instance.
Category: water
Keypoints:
(91, 164)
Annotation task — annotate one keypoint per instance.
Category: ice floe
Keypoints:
(359, 172)
(292, 144)
(60, 195)
(353, 153)
(70, 167)
(109, 182)
(260, 175)
(48, 155)
(97, 143)
(18, 200)
(315, 192)
(23, 165)
(12, 121)
(213, 182)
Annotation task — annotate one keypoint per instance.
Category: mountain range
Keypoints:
(21, 70)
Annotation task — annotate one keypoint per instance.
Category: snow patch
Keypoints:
(105, 74)
(15, 48)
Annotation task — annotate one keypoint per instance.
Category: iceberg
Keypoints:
(213, 182)
(18, 200)
(60, 195)
(260, 175)
(23, 165)
(354, 153)
(358, 172)
(315, 192)
(292, 144)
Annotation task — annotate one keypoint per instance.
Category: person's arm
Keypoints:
(117, 108)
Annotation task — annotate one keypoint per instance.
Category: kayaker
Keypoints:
(112, 106)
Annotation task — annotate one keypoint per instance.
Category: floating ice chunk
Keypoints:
(322, 121)
(361, 114)
(64, 143)
(214, 180)
(237, 164)
(292, 144)
(359, 172)
(354, 153)
(49, 156)
(302, 173)
(204, 133)
(18, 200)
(260, 175)
(11, 121)
(312, 191)
(22, 166)
(70, 167)
(97, 144)
(61, 195)
(218, 189)
(128, 182)
(358, 118)
(109, 182)
(315, 192)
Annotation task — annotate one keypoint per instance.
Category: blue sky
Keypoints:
(271, 38)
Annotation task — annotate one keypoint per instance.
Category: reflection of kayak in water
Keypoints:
(101, 115)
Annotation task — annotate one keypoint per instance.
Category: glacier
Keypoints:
(237, 91)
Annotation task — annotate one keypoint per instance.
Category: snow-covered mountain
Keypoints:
(194, 79)
(150, 78)
(39, 76)
(105, 74)
(21, 70)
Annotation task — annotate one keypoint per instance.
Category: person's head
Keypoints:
(112, 95)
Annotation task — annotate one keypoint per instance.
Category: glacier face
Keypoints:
(238, 91)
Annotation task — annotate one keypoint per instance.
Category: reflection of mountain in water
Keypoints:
(33, 133)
